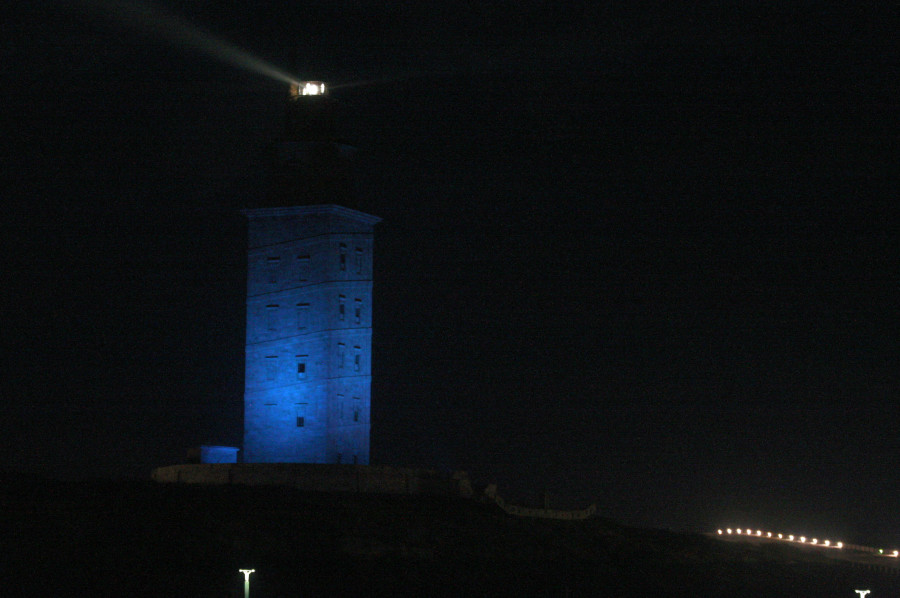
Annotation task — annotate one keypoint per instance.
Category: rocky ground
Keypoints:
(118, 538)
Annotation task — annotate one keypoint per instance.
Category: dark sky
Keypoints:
(631, 253)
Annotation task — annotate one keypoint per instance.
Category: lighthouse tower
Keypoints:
(309, 300)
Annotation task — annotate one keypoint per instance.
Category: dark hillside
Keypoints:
(107, 538)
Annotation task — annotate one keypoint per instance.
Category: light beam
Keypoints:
(180, 32)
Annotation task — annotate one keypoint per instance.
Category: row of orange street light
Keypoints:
(792, 538)
(786, 537)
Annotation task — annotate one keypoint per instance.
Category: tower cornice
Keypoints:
(310, 210)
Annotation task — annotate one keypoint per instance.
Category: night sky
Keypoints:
(631, 253)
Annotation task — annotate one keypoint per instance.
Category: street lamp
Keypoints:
(246, 573)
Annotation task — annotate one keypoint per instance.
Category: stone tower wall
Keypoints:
(309, 335)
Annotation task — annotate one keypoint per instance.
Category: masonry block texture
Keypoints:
(309, 335)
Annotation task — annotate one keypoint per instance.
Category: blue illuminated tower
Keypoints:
(309, 307)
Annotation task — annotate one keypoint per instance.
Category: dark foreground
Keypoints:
(142, 539)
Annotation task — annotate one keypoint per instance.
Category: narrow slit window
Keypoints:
(272, 269)
(271, 316)
(359, 260)
(302, 316)
(303, 268)
(343, 257)
(357, 310)
(301, 366)
(342, 307)
(342, 349)
(271, 367)
(357, 358)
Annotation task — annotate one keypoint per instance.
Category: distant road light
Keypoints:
(791, 537)
(720, 532)
(728, 530)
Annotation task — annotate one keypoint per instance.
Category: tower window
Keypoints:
(359, 260)
(302, 316)
(301, 367)
(300, 421)
(272, 269)
(357, 358)
(342, 308)
(300, 412)
(271, 366)
(342, 349)
(303, 268)
(343, 257)
(357, 310)
(340, 407)
(271, 313)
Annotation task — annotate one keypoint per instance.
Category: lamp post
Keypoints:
(246, 573)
